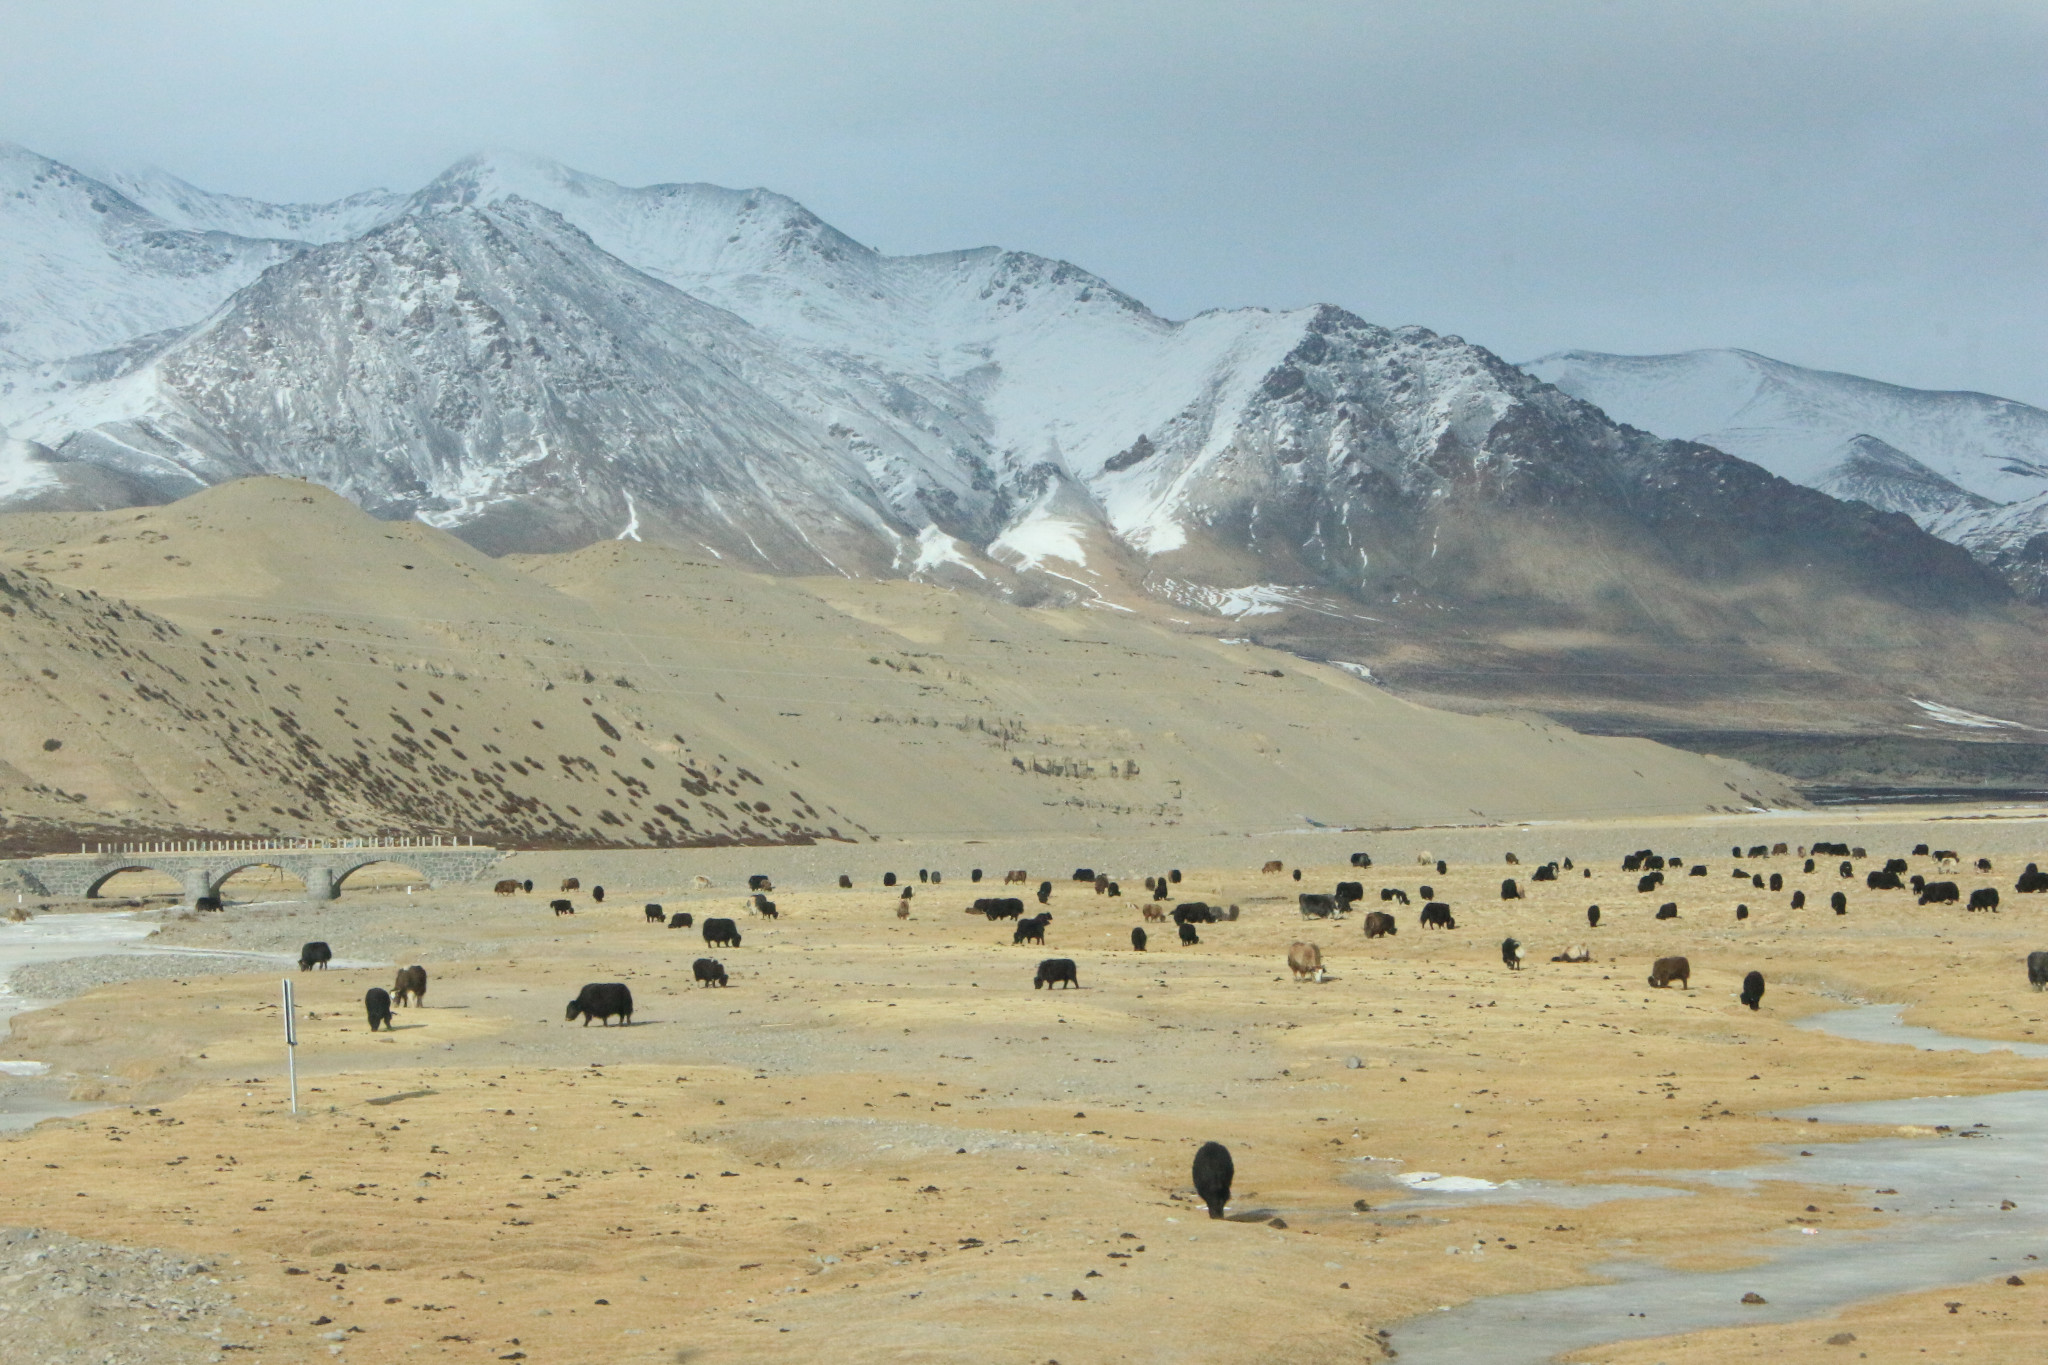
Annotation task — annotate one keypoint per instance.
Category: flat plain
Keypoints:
(879, 1142)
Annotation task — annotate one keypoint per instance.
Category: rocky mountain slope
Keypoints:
(1971, 468)
(264, 657)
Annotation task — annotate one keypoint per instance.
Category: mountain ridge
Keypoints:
(538, 359)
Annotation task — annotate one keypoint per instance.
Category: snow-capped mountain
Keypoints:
(536, 358)
(84, 269)
(1969, 467)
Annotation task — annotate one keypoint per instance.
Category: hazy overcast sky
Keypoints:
(1851, 184)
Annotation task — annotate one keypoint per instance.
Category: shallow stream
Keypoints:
(1948, 1224)
(58, 937)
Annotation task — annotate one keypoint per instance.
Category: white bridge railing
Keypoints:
(281, 845)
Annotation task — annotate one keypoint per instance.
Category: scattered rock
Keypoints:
(1753, 1297)
(1841, 1338)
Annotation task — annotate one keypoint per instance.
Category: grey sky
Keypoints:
(1852, 184)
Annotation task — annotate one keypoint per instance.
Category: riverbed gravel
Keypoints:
(65, 1301)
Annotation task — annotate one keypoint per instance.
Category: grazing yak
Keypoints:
(377, 1004)
(1380, 924)
(1649, 882)
(1138, 940)
(721, 933)
(1437, 915)
(759, 882)
(411, 986)
(1361, 860)
(1084, 874)
(597, 894)
(1839, 903)
(1753, 989)
(681, 919)
(1511, 954)
(570, 884)
(506, 888)
(1700, 870)
(709, 971)
(1545, 873)
(1213, 1174)
(315, 955)
(1055, 971)
(1513, 861)
(1578, 952)
(1940, 893)
(1044, 892)
(1442, 867)
(845, 882)
(1305, 960)
(2037, 970)
(1001, 907)
(1668, 910)
(1984, 898)
(1798, 900)
(1017, 875)
(888, 879)
(1031, 929)
(1777, 882)
(1509, 891)
(1666, 970)
(561, 907)
(1593, 917)
(1188, 937)
(1194, 912)
(2032, 880)
(206, 903)
(654, 913)
(602, 1000)
(1273, 865)
(1347, 892)
(1742, 912)
(765, 907)
(1393, 893)
(1983, 864)
(1154, 912)
(1316, 905)
(1886, 880)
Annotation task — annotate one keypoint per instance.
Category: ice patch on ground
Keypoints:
(1434, 1182)
(1969, 720)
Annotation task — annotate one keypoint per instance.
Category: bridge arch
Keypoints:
(221, 877)
(103, 878)
(414, 875)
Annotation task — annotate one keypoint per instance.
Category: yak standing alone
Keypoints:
(1213, 1174)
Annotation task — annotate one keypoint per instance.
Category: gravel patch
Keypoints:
(69, 1302)
(77, 975)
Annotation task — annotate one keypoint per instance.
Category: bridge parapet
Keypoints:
(203, 865)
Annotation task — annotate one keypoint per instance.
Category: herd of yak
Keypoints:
(605, 1001)
(1213, 1171)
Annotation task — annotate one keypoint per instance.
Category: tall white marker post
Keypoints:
(291, 1044)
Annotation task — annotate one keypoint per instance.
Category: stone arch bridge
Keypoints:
(203, 865)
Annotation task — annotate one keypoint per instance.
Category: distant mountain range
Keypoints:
(1968, 467)
(536, 359)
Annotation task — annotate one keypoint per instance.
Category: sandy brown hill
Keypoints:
(265, 656)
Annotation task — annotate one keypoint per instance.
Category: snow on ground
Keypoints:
(1969, 720)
